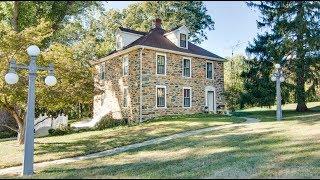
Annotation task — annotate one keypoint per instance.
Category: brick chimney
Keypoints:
(157, 23)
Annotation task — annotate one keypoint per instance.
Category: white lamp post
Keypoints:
(278, 77)
(12, 78)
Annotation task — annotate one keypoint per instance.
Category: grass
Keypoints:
(58, 147)
(287, 149)
(269, 114)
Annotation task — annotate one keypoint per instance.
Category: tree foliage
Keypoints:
(294, 33)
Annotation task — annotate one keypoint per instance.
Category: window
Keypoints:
(125, 97)
(161, 64)
(186, 63)
(102, 69)
(186, 97)
(209, 70)
(161, 96)
(125, 65)
(118, 42)
(183, 40)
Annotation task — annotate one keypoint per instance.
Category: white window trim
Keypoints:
(125, 87)
(119, 39)
(190, 67)
(207, 70)
(165, 64)
(123, 59)
(186, 41)
(165, 96)
(190, 97)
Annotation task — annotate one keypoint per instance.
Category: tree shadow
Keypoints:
(249, 155)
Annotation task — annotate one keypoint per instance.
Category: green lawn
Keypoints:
(57, 147)
(287, 149)
(269, 114)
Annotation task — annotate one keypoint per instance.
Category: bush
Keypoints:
(62, 131)
(108, 121)
(7, 134)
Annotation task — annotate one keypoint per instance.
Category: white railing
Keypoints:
(45, 121)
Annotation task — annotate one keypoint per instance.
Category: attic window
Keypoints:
(118, 43)
(183, 40)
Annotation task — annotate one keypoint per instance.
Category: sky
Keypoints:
(235, 23)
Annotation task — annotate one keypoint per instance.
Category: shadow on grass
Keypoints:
(97, 143)
(256, 154)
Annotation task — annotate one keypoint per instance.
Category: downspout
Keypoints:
(140, 88)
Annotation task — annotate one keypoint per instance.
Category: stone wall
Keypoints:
(175, 82)
(109, 92)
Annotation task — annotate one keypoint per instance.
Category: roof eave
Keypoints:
(92, 62)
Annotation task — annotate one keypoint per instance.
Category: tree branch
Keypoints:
(11, 128)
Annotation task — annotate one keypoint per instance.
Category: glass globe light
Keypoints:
(277, 66)
(11, 78)
(273, 78)
(33, 50)
(50, 80)
(281, 79)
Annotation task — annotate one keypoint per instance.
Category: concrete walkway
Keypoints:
(18, 169)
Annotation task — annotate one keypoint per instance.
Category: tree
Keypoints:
(233, 69)
(294, 29)
(20, 26)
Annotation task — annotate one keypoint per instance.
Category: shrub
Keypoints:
(61, 131)
(108, 121)
(7, 134)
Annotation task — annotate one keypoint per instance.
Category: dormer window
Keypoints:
(183, 40)
(118, 42)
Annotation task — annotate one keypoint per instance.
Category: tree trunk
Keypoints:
(20, 122)
(20, 136)
(15, 16)
(300, 62)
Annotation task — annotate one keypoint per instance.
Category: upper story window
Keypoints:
(161, 64)
(186, 64)
(161, 96)
(183, 40)
(125, 97)
(209, 70)
(186, 97)
(125, 65)
(102, 72)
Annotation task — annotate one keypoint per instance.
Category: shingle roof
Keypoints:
(155, 38)
(132, 31)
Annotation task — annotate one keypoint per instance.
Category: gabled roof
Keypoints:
(155, 38)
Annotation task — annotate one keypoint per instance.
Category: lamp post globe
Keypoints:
(281, 79)
(273, 78)
(33, 50)
(11, 78)
(277, 66)
(50, 80)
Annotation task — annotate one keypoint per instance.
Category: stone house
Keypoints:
(157, 73)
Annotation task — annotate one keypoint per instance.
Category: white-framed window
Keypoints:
(187, 97)
(161, 96)
(118, 43)
(186, 67)
(183, 40)
(125, 96)
(209, 70)
(125, 65)
(102, 71)
(161, 63)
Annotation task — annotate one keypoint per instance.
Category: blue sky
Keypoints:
(234, 22)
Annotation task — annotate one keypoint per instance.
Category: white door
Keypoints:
(210, 100)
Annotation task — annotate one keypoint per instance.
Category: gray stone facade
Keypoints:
(109, 92)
